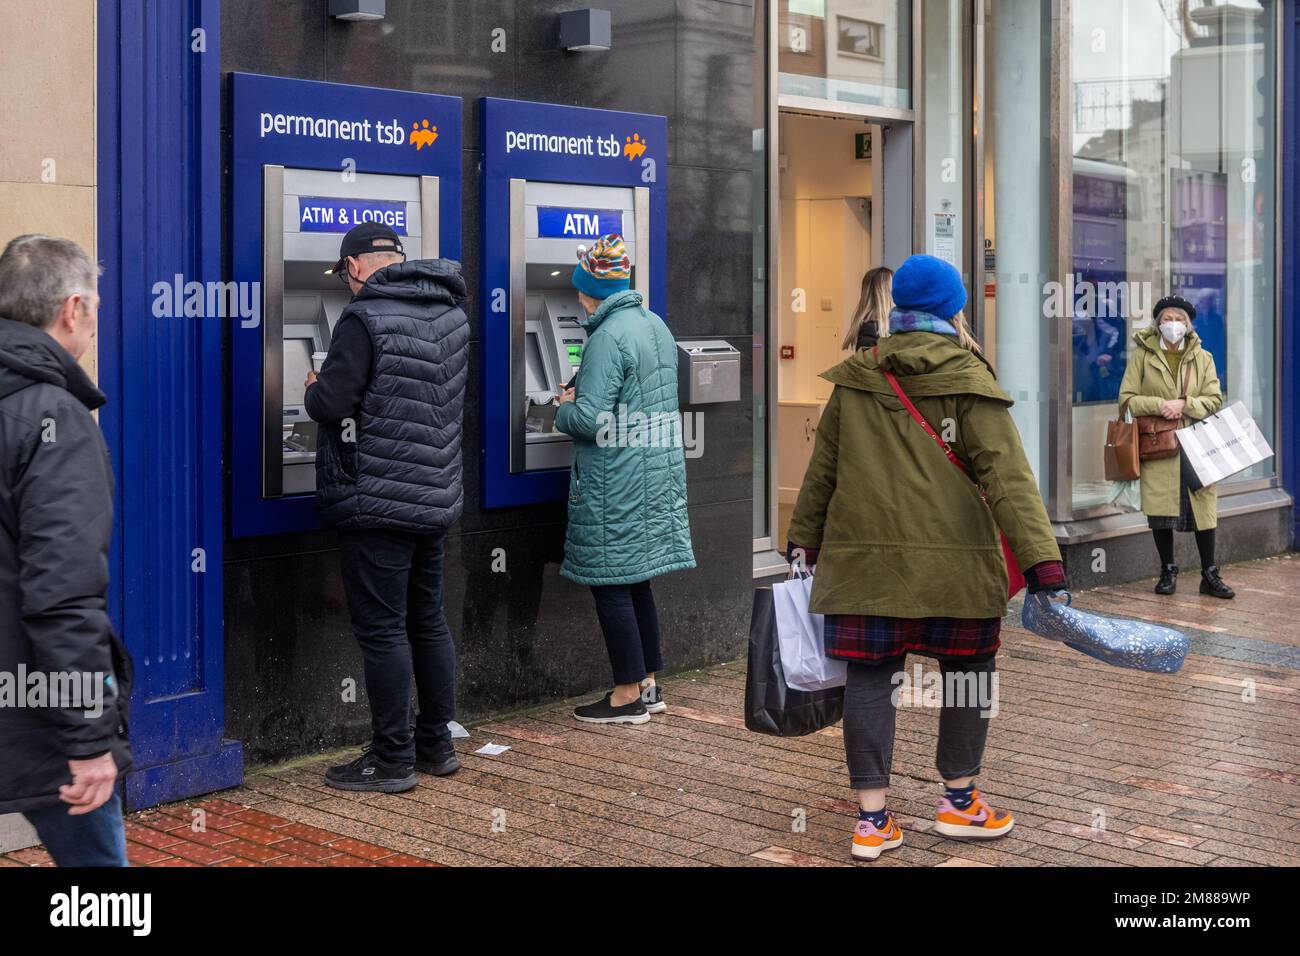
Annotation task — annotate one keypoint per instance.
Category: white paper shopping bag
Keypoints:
(803, 651)
(1224, 444)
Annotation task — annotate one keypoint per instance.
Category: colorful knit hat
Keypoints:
(604, 269)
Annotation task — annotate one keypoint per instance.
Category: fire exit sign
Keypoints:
(862, 146)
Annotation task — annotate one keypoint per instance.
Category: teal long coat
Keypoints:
(627, 488)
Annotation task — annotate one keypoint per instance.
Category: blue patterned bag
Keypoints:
(1134, 644)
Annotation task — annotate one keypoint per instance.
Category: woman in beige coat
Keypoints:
(1162, 360)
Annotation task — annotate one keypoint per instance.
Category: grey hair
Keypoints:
(38, 273)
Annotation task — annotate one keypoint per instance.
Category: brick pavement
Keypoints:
(1101, 766)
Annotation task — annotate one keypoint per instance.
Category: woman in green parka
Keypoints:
(1170, 375)
(627, 488)
(906, 550)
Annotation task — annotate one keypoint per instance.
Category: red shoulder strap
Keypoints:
(919, 418)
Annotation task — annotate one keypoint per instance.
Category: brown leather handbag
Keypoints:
(1122, 461)
(1146, 438)
(1156, 438)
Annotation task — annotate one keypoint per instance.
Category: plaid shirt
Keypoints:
(869, 637)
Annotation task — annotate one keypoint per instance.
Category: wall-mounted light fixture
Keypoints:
(582, 30)
(357, 9)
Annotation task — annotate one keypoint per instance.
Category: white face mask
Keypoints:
(1173, 332)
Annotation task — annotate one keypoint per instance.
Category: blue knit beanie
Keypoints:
(926, 284)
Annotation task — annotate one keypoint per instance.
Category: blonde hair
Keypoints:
(874, 305)
(964, 338)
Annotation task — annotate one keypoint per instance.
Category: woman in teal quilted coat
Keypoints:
(627, 488)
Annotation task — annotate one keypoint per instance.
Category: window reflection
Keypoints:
(1173, 136)
(850, 51)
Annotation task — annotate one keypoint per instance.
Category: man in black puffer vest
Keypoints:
(390, 399)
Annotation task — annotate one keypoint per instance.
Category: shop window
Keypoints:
(849, 52)
(1174, 185)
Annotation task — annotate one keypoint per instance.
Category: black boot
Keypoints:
(1213, 585)
(1168, 582)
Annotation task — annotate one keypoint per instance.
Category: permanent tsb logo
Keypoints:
(633, 147)
(422, 137)
(384, 132)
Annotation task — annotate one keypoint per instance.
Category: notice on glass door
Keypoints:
(945, 237)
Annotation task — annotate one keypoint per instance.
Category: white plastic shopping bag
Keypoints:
(1222, 445)
(803, 651)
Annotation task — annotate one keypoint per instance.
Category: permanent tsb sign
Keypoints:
(574, 144)
(337, 126)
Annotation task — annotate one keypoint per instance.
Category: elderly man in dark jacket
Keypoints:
(64, 674)
(390, 398)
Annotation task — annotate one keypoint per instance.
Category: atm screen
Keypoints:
(297, 363)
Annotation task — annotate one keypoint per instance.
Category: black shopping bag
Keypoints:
(770, 706)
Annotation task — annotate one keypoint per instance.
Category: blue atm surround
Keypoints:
(260, 138)
(537, 141)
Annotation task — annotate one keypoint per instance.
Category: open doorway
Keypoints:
(829, 236)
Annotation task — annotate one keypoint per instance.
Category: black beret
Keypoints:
(1174, 302)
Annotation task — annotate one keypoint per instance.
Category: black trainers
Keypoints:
(439, 759)
(1213, 585)
(371, 772)
(653, 699)
(603, 712)
(1168, 582)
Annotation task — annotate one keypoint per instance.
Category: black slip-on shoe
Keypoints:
(1168, 582)
(653, 699)
(439, 760)
(1213, 585)
(370, 772)
(603, 712)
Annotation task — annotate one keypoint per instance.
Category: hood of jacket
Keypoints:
(619, 300)
(927, 364)
(431, 281)
(29, 355)
(1149, 339)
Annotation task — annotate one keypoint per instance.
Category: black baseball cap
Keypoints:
(367, 237)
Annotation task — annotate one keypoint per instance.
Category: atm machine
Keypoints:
(306, 212)
(549, 224)
(554, 178)
(308, 161)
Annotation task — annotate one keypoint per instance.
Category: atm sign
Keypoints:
(323, 214)
(557, 222)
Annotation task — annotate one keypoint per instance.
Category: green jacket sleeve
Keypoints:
(808, 522)
(990, 438)
(1131, 385)
(600, 382)
(1209, 398)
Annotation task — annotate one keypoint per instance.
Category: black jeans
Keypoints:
(869, 714)
(393, 581)
(630, 623)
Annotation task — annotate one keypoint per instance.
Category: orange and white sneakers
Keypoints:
(979, 821)
(869, 842)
